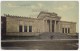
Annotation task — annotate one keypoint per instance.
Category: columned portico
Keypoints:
(51, 25)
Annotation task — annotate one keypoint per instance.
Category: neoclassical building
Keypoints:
(45, 22)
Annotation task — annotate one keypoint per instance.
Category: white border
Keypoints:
(43, 0)
(39, 0)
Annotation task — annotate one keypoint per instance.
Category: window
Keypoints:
(65, 30)
(25, 28)
(62, 30)
(68, 30)
(30, 28)
(20, 28)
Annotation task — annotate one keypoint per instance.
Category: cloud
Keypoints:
(33, 7)
(16, 5)
(12, 5)
(38, 7)
(64, 8)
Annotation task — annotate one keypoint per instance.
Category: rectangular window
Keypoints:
(25, 28)
(65, 30)
(68, 30)
(30, 28)
(62, 30)
(20, 28)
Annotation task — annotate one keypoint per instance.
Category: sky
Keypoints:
(67, 10)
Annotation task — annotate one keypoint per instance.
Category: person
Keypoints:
(51, 37)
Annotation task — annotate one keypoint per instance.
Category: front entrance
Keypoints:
(52, 25)
(51, 29)
(48, 21)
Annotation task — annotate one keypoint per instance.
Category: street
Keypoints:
(40, 44)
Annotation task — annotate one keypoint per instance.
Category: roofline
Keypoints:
(22, 17)
(45, 12)
(68, 22)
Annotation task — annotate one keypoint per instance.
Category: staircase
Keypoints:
(51, 35)
(42, 36)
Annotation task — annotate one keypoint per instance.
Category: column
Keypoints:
(22, 28)
(50, 25)
(67, 30)
(45, 25)
(55, 26)
(64, 30)
(58, 26)
(27, 28)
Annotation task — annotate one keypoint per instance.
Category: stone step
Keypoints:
(51, 35)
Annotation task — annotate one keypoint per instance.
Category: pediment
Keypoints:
(52, 18)
(47, 14)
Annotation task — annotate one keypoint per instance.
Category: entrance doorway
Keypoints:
(52, 22)
(52, 25)
(48, 21)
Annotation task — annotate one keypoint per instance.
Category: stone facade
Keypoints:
(45, 22)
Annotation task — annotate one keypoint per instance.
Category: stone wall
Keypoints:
(14, 22)
(65, 24)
